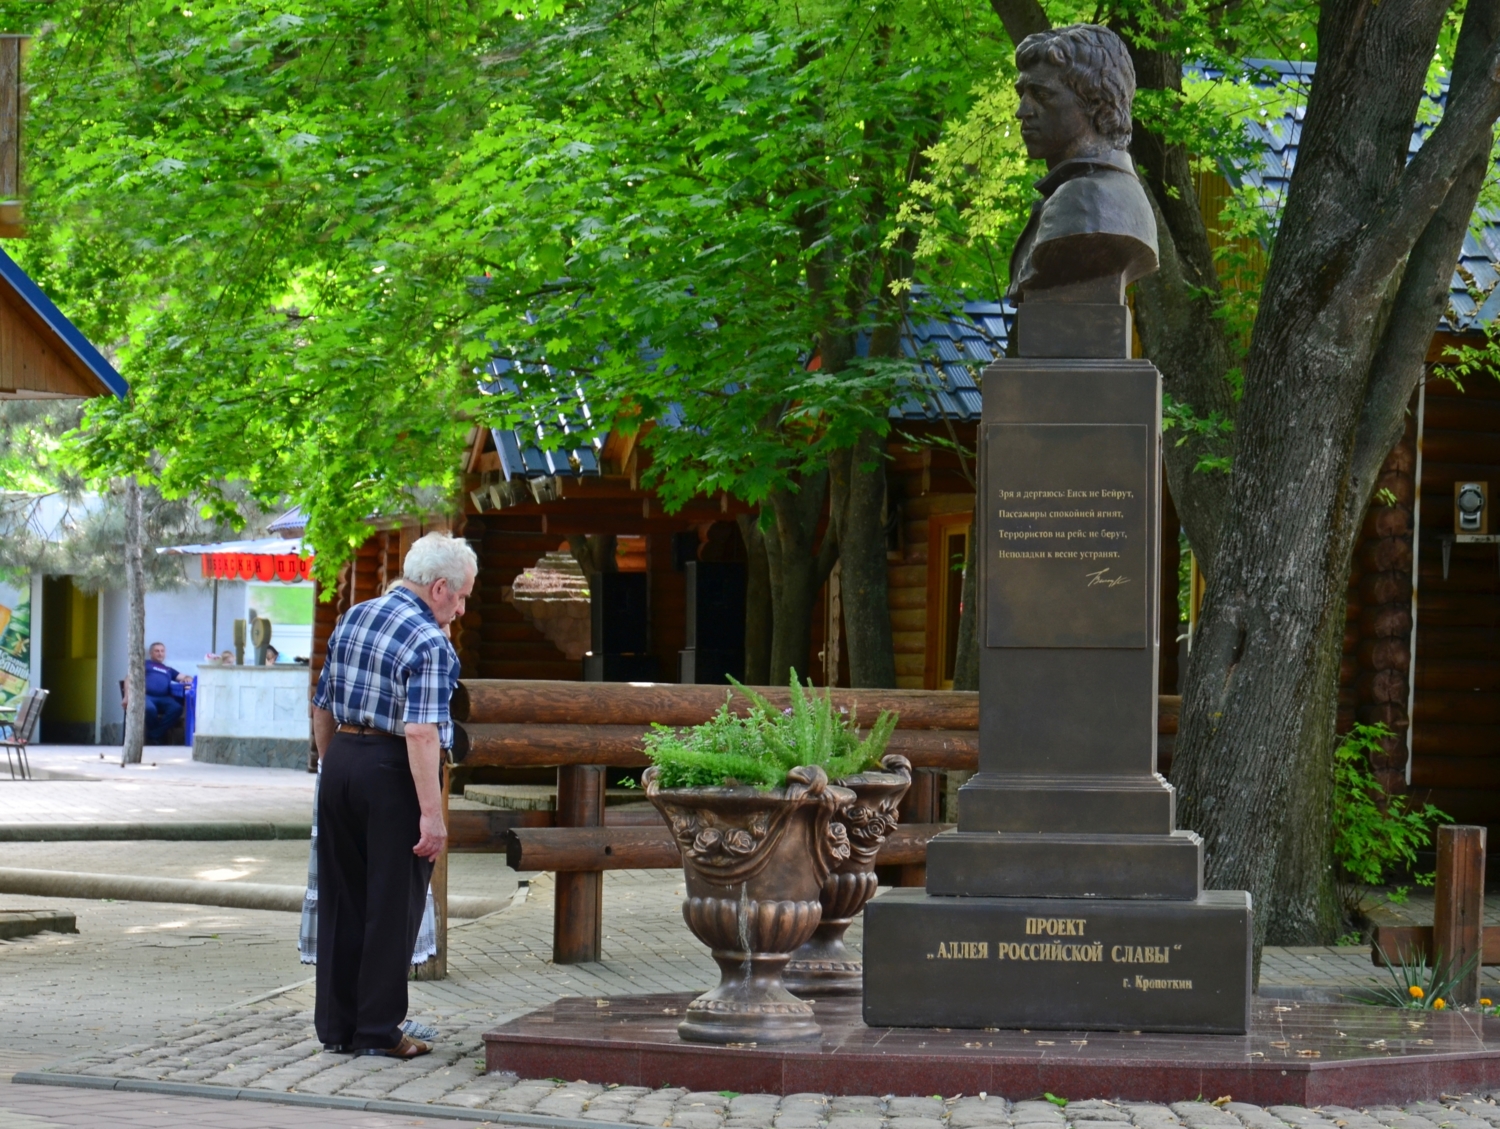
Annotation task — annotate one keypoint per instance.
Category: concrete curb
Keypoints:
(182, 891)
(24, 922)
(207, 831)
(317, 1101)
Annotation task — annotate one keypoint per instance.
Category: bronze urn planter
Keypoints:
(755, 863)
(822, 966)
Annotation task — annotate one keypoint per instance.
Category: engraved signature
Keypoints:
(1108, 581)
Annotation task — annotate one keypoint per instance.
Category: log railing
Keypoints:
(580, 728)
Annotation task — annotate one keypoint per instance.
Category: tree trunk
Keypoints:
(1365, 248)
(798, 569)
(857, 489)
(135, 635)
(966, 661)
(758, 616)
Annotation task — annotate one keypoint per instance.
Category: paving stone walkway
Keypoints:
(499, 968)
(168, 787)
(198, 995)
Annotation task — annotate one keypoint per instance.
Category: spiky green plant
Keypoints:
(760, 748)
(1418, 985)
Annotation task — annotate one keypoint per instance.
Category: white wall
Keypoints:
(181, 618)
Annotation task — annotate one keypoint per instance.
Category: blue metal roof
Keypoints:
(82, 349)
(950, 353)
(520, 457)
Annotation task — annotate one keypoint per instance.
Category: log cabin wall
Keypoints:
(1374, 671)
(505, 643)
(933, 502)
(1456, 715)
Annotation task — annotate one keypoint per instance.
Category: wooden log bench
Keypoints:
(583, 728)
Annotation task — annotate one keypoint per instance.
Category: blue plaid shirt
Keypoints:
(389, 664)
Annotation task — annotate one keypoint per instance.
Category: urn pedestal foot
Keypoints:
(823, 966)
(750, 1005)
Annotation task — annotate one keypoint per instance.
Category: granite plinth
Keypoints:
(997, 865)
(1295, 1054)
(1095, 964)
(1100, 803)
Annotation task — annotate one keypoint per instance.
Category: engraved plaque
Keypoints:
(1066, 535)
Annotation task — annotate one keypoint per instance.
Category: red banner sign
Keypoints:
(264, 567)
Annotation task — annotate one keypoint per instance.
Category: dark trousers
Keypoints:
(371, 890)
(162, 712)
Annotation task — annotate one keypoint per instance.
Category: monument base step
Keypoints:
(1078, 803)
(1296, 1053)
(1058, 963)
(992, 864)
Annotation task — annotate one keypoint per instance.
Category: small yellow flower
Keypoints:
(1416, 992)
(1438, 1005)
(1484, 1003)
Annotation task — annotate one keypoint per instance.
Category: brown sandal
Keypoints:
(406, 1048)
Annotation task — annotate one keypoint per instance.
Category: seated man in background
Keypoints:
(163, 709)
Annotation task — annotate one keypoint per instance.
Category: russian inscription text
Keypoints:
(1066, 519)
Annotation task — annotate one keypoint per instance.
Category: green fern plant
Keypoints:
(760, 748)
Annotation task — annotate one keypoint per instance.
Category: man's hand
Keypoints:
(425, 757)
(434, 837)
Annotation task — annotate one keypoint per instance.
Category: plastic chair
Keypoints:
(20, 732)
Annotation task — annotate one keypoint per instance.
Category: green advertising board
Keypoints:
(15, 643)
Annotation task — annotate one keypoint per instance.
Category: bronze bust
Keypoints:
(1093, 231)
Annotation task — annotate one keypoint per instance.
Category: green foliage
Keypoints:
(1373, 831)
(51, 522)
(760, 748)
(233, 201)
(1216, 428)
(1184, 579)
(678, 204)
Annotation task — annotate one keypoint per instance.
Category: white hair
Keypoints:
(438, 556)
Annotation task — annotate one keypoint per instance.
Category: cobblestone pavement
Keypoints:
(168, 787)
(499, 968)
(48, 1107)
(216, 996)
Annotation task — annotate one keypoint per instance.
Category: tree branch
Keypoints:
(1021, 18)
(1428, 180)
(1423, 296)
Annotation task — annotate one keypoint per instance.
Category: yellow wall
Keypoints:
(70, 651)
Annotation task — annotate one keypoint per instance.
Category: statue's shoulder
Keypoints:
(1098, 199)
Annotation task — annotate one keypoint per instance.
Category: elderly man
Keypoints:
(380, 719)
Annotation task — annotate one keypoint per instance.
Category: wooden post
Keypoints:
(920, 805)
(578, 904)
(436, 967)
(1458, 915)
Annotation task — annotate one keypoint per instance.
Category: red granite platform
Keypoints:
(1296, 1054)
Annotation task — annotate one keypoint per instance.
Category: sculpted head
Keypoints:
(1077, 84)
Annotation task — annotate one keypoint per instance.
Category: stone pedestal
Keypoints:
(1066, 898)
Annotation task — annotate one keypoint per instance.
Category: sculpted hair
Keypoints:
(439, 556)
(1096, 66)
